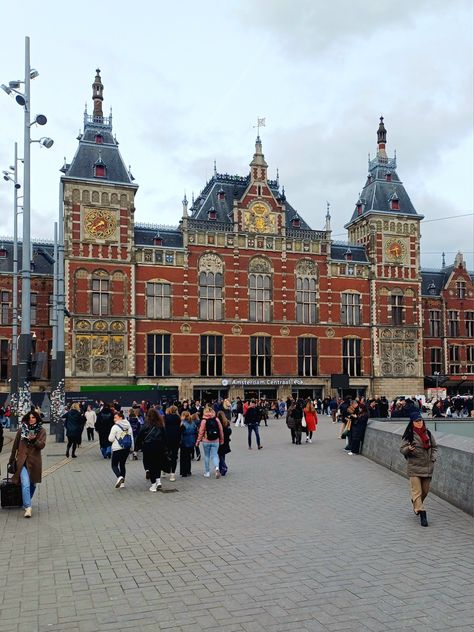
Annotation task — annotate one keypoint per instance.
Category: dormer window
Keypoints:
(3, 253)
(296, 222)
(211, 214)
(359, 208)
(221, 194)
(388, 176)
(99, 139)
(394, 203)
(99, 171)
(348, 255)
(158, 240)
(432, 288)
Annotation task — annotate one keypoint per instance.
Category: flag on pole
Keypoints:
(261, 122)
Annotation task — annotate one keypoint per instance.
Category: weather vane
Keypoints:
(260, 123)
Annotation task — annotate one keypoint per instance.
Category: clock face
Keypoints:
(395, 250)
(99, 223)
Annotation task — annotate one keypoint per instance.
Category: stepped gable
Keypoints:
(383, 191)
(98, 147)
(339, 251)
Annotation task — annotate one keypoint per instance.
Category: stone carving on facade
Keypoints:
(117, 325)
(100, 325)
(99, 365)
(185, 328)
(211, 263)
(236, 330)
(116, 346)
(398, 333)
(260, 265)
(148, 256)
(306, 268)
(83, 325)
(330, 333)
(100, 345)
(116, 365)
(386, 333)
(400, 347)
(285, 331)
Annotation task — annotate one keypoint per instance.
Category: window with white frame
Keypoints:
(307, 356)
(4, 308)
(33, 307)
(158, 300)
(435, 322)
(453, 323)
(470, 359)
(210, 295)
(158, 355)
(436, 360)
(396, 306)
(350, 309)
(306, 292)
(211, 355)
(351, 357)
(260, 297)
(454, 359)
(100, 296)
(460, 289)
(260, 356)
(469, 320)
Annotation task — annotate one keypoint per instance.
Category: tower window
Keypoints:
(388, 176)
(395, 204)
(212, 214)
(99, 171)
(99, 139)
(296, 222)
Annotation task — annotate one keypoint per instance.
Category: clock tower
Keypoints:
(98, 195)
(386, 222)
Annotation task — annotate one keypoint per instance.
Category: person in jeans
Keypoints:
(211, 435)
(91, 418)
(188, 433)
(25, 457)
(252, 420)
(118, 438)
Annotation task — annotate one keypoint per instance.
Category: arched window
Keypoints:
(351, 356)
(350, 308)
(396, 305)
(306, 292)
(260, 290)
(100, 294)
(211, 284)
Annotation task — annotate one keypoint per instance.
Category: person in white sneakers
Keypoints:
(121, 438)
(212, 436)
(151, 441)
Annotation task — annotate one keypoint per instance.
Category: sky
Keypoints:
(187, 82)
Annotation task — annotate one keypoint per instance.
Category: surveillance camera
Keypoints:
(6, 178)
(20, 99)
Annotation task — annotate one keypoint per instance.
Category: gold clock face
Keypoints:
(395, 250)
(99, 223)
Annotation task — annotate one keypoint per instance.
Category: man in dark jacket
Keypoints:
(251, 420)
(103, 425)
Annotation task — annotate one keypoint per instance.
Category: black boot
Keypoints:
(423, 520)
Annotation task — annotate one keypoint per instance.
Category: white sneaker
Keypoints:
(28, 512)
(310, 441)
(119, 482)
(350, 453)
(158, 483)
(172, 478)
(207, 474)
(122, 485)
(153, 488)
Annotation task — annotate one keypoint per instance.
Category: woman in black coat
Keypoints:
(74, 422)
(151, 441)
(173, 437)
(358, 428)
(103, 425)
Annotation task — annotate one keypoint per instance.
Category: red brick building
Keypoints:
(243, 297)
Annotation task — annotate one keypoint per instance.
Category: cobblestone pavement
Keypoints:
(294, 538)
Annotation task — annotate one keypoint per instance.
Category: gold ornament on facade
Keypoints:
(258, 219)
(330, 333)
(100, 325)
(185, 328)
(117, 325)
(285, 331)
(236, 330)
(100, 223)
(83, 324)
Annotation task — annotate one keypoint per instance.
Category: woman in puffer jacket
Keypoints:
(420, 450)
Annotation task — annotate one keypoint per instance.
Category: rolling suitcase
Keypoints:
(10, 493)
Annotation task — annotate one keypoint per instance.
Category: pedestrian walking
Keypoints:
(103, 425)
(252, 421)
(25, 458)
(211, 435)
(121, 438)
(188, 433)
(239, 408)
(91, 418)
(172, 427)
(134, 422)
(290, 421)
(420, 450)
(74, 422)
(151, 441)
(224, 448)
(311, 419)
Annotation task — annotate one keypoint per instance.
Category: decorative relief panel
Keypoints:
(306, 267)
(260, 264)
(398, 352)
(211, 263)
(96, 351)
(259, 219)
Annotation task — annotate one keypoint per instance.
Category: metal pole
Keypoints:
(54, 349)
(14, 373)
(25, 336)
(60, 362)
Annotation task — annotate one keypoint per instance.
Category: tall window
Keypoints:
(461, 289)
(454, 360)
(260, 356)
(158, 300)
(260, 294)
(4, 308)
(435, 323)
(210, 295)
(306, 292)
(351, 358)
(158, 355)
(453, 323)
(100, 297)
(350, 309)
(33, 307)
(307, 356)
(470, 359)
(3, 360)
(469, 320)
(396, 304)
(435, 360)
(211, 355)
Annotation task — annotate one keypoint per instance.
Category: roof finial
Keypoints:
(443, 260)
(98, 96)
(278, 178)
(381, 140)
(328, 217)
(215, 168)
(185, 205)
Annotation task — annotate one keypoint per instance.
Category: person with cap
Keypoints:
(420, 450)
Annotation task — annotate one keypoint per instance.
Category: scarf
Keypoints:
(27, 428)
(423, 434)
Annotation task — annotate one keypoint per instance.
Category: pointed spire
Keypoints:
(97, 96)
(215, 168)
(278, 178)
(185, 206)
(192, 198)
(328, 217)
(381, 140)
(258, 164)
(443, 260)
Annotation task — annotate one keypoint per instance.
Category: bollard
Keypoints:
(60, 432)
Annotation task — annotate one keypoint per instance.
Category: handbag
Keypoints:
(12, 467)
(347, 429)
(303, 422)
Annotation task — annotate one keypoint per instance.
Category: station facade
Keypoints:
(244, 298)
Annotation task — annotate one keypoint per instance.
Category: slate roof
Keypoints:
(41, 266)
(234, 188)
(438, 278)
(89, 153)
(339, 249)
(145, 235)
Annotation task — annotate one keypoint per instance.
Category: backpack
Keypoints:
(125, 440)
(212, 429)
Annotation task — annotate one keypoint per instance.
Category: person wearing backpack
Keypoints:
(121, 438)
(211, 435)
(188, 431)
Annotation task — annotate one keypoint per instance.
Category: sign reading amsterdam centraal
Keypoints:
(262, 382)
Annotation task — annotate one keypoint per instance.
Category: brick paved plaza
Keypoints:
(294, 538)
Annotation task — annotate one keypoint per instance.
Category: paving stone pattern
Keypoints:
(295, 538)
